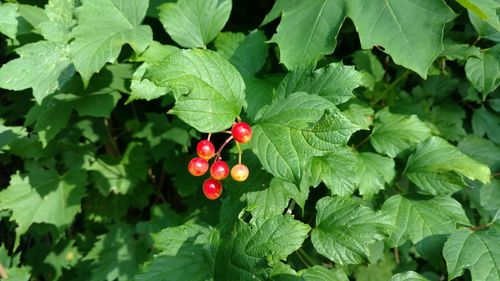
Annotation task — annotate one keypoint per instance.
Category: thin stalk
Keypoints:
(217, 155)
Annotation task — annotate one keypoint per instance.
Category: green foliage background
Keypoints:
(375, 151)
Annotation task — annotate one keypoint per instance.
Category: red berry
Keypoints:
(212, 189)
(205, 149)
(219, 170)
(242, 132)
(239, 172)
(197, 166)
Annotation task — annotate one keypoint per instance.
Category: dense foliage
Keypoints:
(374, 152)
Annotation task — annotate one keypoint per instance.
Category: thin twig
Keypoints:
(396, 255)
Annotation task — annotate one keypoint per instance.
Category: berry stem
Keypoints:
(217, 154)
(209, 135)
(239, 152)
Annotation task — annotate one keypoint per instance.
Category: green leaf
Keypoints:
(381, 270)
(9, 134)
(315, 24)
(484, 29)
(338, 170)
(395, 133)
(247, 53)
(397, 26)
(44, 66)
(484, 71)
(118, 22)
(482, 150)
(439, 168)
(182, 255)
(116, 254)
(120, 176)
(359, 113)
(44, 197)
(270, 201)
(408, 276)
(344, 229)
(485, 9)
(477, 251)
(321, 273)
(366, 61)
(425, 221)
(8, 19)
(490, 196)
(374, 171)
(60, 14)
(194, 23)
(209, 91)
(487, 123)
(49, 118)
(335, 82)
(247, 250)
(293, 130)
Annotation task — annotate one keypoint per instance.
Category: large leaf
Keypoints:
(482, 150)
(44, 66)
(194, 23)
(477, 251)
(209, 91)
(344, 229)
(394, 133)
(484, 71)
(425, 221)
(439, 168)
(334, 82)
(60, 15)
(410, 31)
(181, 256)
(315, 24)
(44, 197)
(408, 276)
(8, 19)
(246, 250)
(104, 26)
(292, 130)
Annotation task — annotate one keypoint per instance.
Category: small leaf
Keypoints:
(344, 229)
(439, 168)
(291, 131)
(315, 24)
(246, 250)
(181, 255)
(408, 276)
(485, 9)
(374, 171)
(482, 150)
(425, 221)
(338, 170)
(8, 19)
(335, 82)
(477, 251)
(118, 22)
(484, 71)
(395, 133)
(487, 123)
(490, 196)
(44, 66)
(44, 197)
(209, 91)
(194, 23)
(321, 273)
(397, 27)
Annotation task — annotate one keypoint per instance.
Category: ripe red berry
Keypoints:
(212, 189)
(239, 172)
(197, 166)
(205, 149)
(219, 170)
(242, 132)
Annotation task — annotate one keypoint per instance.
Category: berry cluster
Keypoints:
(198, 166)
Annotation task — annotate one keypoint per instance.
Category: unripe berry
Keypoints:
(205, 149)
(219, 170)
(241, 132)
(212, 189)
(198, 166)
(239, 172)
